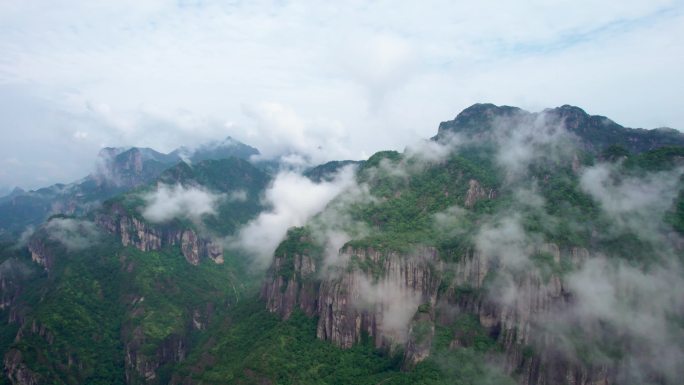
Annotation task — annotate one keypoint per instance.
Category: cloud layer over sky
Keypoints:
(329, 80)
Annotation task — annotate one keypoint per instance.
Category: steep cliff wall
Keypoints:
(377, 295)
(146, 237)
(399, 298)
(40, 253)
(142, 368)
(13, 274)
(515, 319)
(17, 371)
(291, 284)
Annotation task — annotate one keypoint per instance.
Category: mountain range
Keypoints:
(117, 170)
(512, 247)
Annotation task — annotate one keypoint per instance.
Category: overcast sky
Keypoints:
(329, 79)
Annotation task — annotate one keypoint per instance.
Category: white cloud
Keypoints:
(80, 135)
(379, 63)
(168, 202)
(633, 203)
(634, 306)
(238, 196)
(280, 131)
(395, 304)
(75, 234)
(293, 200)
(507, 240)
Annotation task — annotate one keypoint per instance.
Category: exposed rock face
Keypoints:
(12, 274)
(194, 248)
(141, 368)
(356, 302)
(476, 193)
(40, 254)
(17, 371)
(514, 321)
(349, 303)
(286, 288)
(121, 167)
(145, 237)
(35, 328)
(421, 332)
(7, 292)
(143, 356)
(394, 298)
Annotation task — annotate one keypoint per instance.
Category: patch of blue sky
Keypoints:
(575, 37)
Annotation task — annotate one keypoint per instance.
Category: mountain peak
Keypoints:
(567, 108)
(478, 118)
(596, 132)
(225, 148)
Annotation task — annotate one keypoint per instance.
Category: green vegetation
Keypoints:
(466, 363)
(101, 304)
(663, 158)
(71, 334)
(97, 301)
(162, 291)
(408, 199)
(252, 346)
(238, 183)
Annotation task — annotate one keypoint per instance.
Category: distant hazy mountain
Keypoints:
(117, 170)
(226, 148)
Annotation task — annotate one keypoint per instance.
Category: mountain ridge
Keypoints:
(463, 261)
(596, 131)
(118, 169)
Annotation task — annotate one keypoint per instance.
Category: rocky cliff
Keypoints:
(142, 368)
(378, 295)
(515, 322)
(17, 371)
(40, 253)
(135, 232)
(13, 273)
(399, 298)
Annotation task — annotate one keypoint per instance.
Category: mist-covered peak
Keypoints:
(218, 149)
(570, 109)
(479, 117)
(17, 191)
(595, 132)
(120, 154)
(488, 109)
(110, 152)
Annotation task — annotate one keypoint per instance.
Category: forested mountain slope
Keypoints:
(513, 247)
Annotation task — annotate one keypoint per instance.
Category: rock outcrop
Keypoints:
(17, 371)
(13, 272)
(398, 298)
(351, 303)
(146, 237)
(142, 368)
(476, 193)
(40, 253)
(420, 335)
(15, 368)
(382, 306)
(514, 321)
(291, 284)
